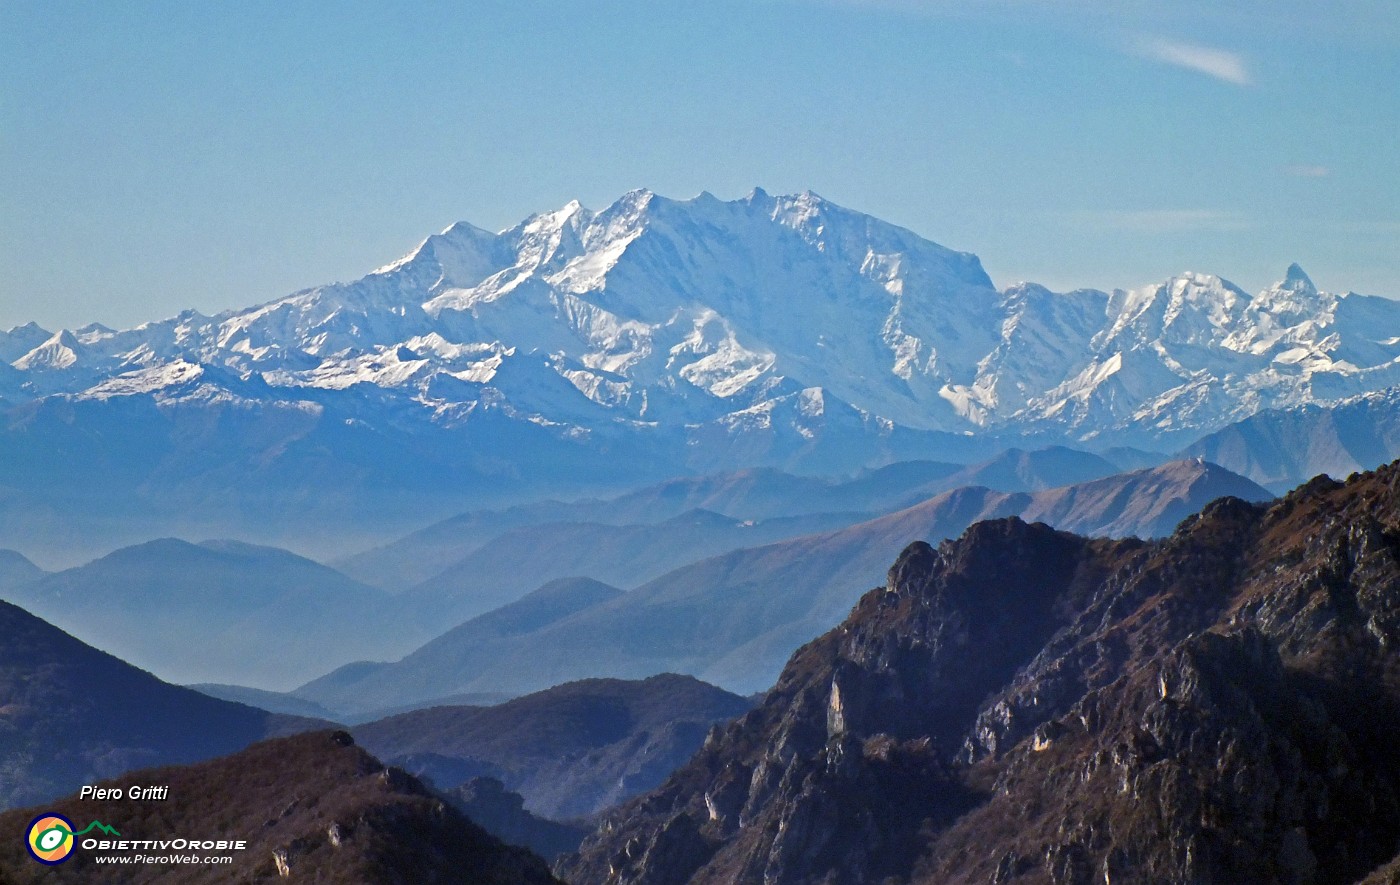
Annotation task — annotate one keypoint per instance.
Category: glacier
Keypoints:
(767, 322)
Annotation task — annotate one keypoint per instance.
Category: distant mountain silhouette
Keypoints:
(16, 570)
(220, 611)
(571, 750)
(733, 619)
(760, 495)
(1019, 470)
(344, 689)
(502, 813)
(771, 499)
(625, 555)
(272, 701)
(70, 715)
(1280, 448)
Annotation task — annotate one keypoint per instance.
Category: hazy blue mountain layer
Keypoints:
(72, 715)
(733, 619)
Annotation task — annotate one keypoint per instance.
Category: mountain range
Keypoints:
(1279, 447)
(758, 495)
(587, 350)
(219, 611)
(624, 555)
(569, 751)
(253, 618)
(261, 616)
(733, 619)
(525, 472)
(1020, 704)
(766, 502)
(1028, 705)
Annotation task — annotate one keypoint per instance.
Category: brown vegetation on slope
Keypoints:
(311, 808)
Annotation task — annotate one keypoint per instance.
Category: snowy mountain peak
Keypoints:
(148, 380)
(638, 197)
(462, 254)
(29, 329)
(59, 352)
(1290, 308)
(20, 340)
(740, 320)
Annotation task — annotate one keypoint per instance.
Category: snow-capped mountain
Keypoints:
(735, 332)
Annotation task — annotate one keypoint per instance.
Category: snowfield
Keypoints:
(764, 313)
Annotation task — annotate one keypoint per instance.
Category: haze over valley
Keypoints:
(859, 442)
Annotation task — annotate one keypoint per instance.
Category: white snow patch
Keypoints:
(145, 380)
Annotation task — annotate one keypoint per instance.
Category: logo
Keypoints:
(50, 838)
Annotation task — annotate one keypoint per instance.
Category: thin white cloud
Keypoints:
(1218, 63)
(1308, 171)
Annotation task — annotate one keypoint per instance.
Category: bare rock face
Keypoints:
(1023, 705)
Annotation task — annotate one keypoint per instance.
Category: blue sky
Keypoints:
(157, 156)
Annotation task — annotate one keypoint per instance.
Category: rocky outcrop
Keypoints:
(1023, 705)
(502, 813)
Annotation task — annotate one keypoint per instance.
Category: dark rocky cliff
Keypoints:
(1023, 705)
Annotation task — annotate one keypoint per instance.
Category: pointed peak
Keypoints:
(637, 199)
(573, 213)
(464, 229)
(756, 195)
(458, 232)
(93, 332)
(552, 218)
(1295, 278)
(813, 203)
(59, 352)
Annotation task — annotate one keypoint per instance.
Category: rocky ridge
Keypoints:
(1025, 705)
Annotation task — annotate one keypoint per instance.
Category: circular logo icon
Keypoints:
(50, 838)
